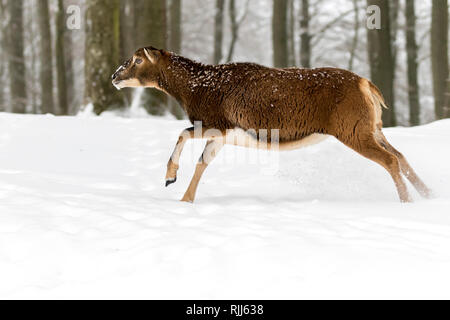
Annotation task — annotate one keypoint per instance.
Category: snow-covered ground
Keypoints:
(84, 214)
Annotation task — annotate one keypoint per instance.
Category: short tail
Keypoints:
(377, 96)
(375, 100)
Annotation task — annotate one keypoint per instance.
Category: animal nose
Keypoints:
(114, 76)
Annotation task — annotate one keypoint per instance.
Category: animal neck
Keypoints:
(178, 78)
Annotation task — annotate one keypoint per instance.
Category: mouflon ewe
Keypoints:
(303, 105)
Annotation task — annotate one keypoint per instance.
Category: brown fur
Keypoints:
(299, 103)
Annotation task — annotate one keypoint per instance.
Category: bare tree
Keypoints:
(381, 59)
(447, 98)
(61, 60)
(127, 37)
(16, 59)
(2, 54)
(439, 55)
(394, 9)
(175, 26)
(305, 36)
(151, 27)
(356, 25)
(279, 34)
(235, 24)
(127, 29)
(102, 54)
(318, 35)
(234, 29)
(291, 33)
(46, 74)
(218, 31)
(32, 44)
(175, 45)
(151, 30)
(72, 100)
(412, 56)
(2, 71)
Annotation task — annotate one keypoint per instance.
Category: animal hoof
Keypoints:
(187, 199)
(428, 194)
(170, 181)
(407, 200)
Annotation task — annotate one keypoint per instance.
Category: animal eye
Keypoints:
(138, 61)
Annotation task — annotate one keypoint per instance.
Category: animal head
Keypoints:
(141, 70)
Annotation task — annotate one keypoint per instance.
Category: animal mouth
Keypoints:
(117, 84)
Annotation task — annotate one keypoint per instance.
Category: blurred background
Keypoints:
(57, 56)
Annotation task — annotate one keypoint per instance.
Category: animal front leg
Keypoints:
(187, 134)
(212, 148)
(173, 164)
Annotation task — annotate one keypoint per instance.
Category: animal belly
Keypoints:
(242, 138)
(303, 143)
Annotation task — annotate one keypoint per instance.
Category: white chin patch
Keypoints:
(118, 87)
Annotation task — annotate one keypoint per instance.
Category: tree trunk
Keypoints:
(235, 24)
(279, 34)
(2, 55)
(291, 33)
(175, 46)
(31, 28)
(305, 36)
(16, 59)
(394, 13)
(60, 60)
(2, 72)
(72, 100)
(412, 56)
(102, 54)
(218, 31)
(439, 55)
(447, 100)
(152, 31)
(127, 29)
(381, 60)
(175, 26)
(127, 38)
(234, 29)
(46, 75)
(356, 25)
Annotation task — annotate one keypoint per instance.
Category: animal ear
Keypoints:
(152, 55)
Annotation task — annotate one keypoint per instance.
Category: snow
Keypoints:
(84, 214)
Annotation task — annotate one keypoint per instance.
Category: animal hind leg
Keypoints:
(407, 170)
(211, 150)
(371, 149)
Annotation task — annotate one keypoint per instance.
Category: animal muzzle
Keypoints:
(115, 80)
(117, 73)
